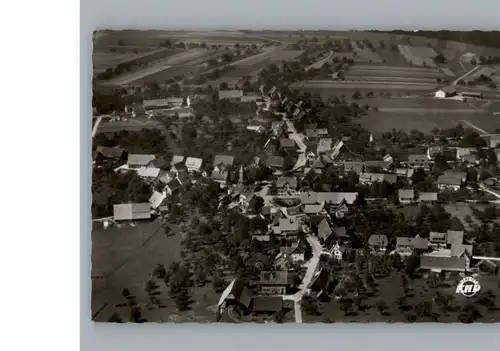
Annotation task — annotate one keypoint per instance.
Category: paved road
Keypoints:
(428, 110)
(484, 188)
(312, 266)
(473, 126)
(455, 82)
(299, 139)
(320, 63)
(96, 126)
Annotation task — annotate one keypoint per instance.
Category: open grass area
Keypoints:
(425, 120)
(389, 289)
(124, 257)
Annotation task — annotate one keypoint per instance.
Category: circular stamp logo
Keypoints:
(468, 287)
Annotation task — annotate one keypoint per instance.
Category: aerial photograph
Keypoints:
(295, 176)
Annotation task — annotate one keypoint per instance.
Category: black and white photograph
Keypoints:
(295, 176)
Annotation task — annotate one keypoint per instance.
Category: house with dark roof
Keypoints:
(324, 230)
(109, 153)
(286, 226)
(131, 212)
(274, 282)
(267, 304)
(236, 294)
(451, 180)
(328, 197)
(340, 210)
(139, 160)
(161, 163)
(419, 161)
(286, 186)
(446, 92)
(406, 246)
(378, 243)
(439, 264)
(225, 160)
(287, 144)
(275, 162)
(370, 178)
(353, 166)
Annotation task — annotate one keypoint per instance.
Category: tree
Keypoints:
(218, 283)
(183, 300)
(135, 315)
(126, 293)
(223, 86)
(356, 95)
(382, 306)
(279, 317)
(346, 306)
(469, 314)
(160, 272)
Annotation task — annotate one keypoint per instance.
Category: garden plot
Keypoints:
(448, 72)
(385, 78)
(356, 72)
(365, 54)
(418, 55)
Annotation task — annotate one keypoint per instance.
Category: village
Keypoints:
(313, 217)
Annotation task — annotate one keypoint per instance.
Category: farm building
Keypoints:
(230, 94)
(471, 95)
(129, 212)
(446, 92)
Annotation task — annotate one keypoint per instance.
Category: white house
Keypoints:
(193, 164)
(446, 92)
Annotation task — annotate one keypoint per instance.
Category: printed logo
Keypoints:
(468, 287)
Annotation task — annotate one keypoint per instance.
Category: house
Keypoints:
(388, 158)
(139, 160)
(370, 178)
(462, 151)
(156, 104)
(439, 264)
(286, 226)
(156, 199)
(131, 212)
(274, 282)
(183, 112)
(328, 197)
(322, 132)
(230, 94)
(427, 197)
(109, 153)
(250, 98)
(352, 166)
(406, 246)
(286, 185)
(492, 140)
(294, 251)
(378, 243)
(176, 159)
(437, 240)
(224, 160)
(338, 251)
(324, 146)
(405, 172)
(267, 304)
(236, 294)
(383, 165)
(451, 180)
(419, 161)
(275, 162)
(336, 149)
(341, 210)
(149, 173)
(220, 175)
(340, 233)
(324, 230)
(193, 164)
(311, 133)
(433, 151)
(446, 92)
(166, 176)
(406, 196)
(471, 160)
(177, 184)
(161, 163)
(287, 144)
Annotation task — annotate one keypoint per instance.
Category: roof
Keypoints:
(237, 290)
(230, 94)
(449, 89)
(455, 237)
(282, 181)
(275, 161)
(443, 263)
(427, 197)
(226, 160)
(160, 162)
(174, 184)
(381, 164)
(267, 303)
(156, 199)
(449, 180)
(378, 177)
(156, 103)
(176, 159)
(220, 176)
(311, 133)
(324, 145)
(193, 162)
(406, 193)
(328, 197)
(340, 232)
(313, 208)
(123, 212)
(377, 240)
(249, 98)
(148, 172)
(110, 152)
(287, 143)
(140, 159)
(324, 230)
(421, 158)
(353, 166)
(417, 243)
(286, 225)
(274, 277)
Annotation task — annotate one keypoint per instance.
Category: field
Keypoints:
(365, 54)
(105, 60)
(389, 289)
(183, 58)
(405, 88)
(425, 120)
(416, 103)
(124, 257)
(418, 55)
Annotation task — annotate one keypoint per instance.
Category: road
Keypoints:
(320, 63)
(429, 110)
(312, 266)
(484, 188)
(455, 82)
(473, 126)
(299, 139)
(96, 125)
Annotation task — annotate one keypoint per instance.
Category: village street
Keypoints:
(299, 139)
(312, 266)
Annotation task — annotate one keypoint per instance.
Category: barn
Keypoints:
(446, 92)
